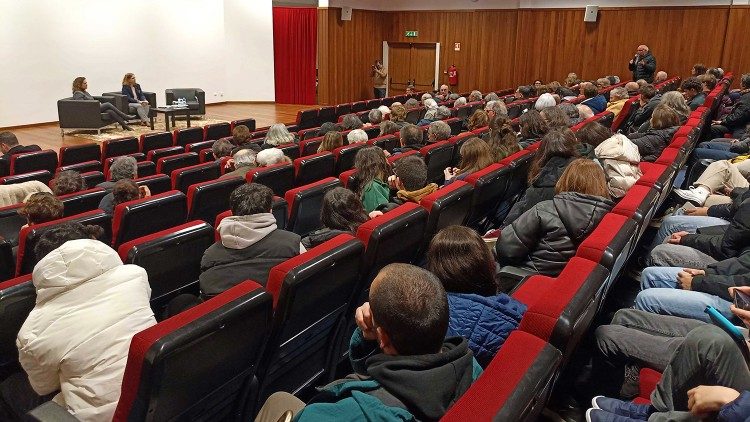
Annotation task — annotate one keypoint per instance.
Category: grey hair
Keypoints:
(411, 103)
(269, 157)
(430, 103)
(425, 96)
(460, 101)
(619, 92)
(431, 114)
(491, 97)
(440, 130)
(123, 168)
(453, 97)
(351, 121)
(375, 116)
(244, 157)
(570, 109)
(476, 94)
(498, 106)
(357, 135)
(443, 112)
(385, 110)
(675, 101)
(278, 134)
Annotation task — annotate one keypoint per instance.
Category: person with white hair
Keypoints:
(270, 156)
(438, 131)
(384, 110)
(475, 96)
(495, 108)
(584, 111)
(425, 96)
(442, 112)
(243, 161)
(460, 101)
(544, 101)
(491, 97)
(277, 135)
(374, 117)
(643, 65)
(430, 104)
(617, 98)
(661, 76)
(356, 136)
(411, 103)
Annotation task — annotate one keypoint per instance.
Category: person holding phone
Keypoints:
(707, 374)
(379, 75)
(643, 65)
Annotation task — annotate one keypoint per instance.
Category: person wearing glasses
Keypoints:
(137, 102)
(643, 65)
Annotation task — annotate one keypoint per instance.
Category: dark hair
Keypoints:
(251, 198)
(699, 69)
(709, 80)
(554, 144)
(58, 235)
(555, 117)
(744, 80)
(410, 135)
(342, 210)
(532, 125)
(371, 164)
(125, 190)
(41, 207)
(527, 91)
(222, 148)
(240, 134)
(593, 133)
(78, 83)
(715, 72)
(590, 90)
(8, 138)
(351, 122)
(411, 306)
(388, 127)
(412, 171)
(325, 128)
(462, 261)
(691, 83)
(68, 181)
(502, 140)
(648, 91)
(475, 155)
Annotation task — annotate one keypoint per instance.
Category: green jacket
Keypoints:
(375, 194)
(383, 387)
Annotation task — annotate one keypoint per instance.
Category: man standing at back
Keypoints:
(643, 65)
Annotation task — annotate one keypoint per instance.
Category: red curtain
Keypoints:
(295, 39)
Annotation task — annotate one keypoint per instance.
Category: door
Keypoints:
(411, 63)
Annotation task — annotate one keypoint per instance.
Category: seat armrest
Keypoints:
(509, 278)
(151, 98)
(120, 101)
(52, 412)
(79, 113)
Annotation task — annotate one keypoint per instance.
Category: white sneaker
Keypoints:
(696, 195)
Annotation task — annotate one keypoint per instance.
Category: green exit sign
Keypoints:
(411, 34)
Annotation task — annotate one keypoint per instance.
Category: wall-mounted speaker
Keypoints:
(591, 13)
(346, 13)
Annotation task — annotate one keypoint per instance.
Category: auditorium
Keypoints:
(374, 210)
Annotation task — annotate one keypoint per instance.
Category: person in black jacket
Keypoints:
(545, 237)
(555, 152)
(341, 212)
(643, 65)
(736, 120)
(411, 139)
(664, 124)
(649, 100)
(9, 146)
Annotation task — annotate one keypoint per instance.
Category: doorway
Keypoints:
(411, 63)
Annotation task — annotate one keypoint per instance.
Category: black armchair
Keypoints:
(195, 97)
(121, 101)
(83, 114)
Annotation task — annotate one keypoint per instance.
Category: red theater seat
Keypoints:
(140, 217)
(279, 177)
(118, 147)
(80, 154)
(186, 176)
(305, 203)
(313, 167)
(208, 199)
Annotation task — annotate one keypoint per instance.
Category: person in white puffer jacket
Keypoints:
(619, 157)
(88, 307)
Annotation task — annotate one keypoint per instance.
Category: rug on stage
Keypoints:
(113, 132)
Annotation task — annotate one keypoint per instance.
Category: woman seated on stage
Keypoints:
(79, 93)
(136, 100)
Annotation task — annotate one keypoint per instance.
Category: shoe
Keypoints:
(131, 117)
(696, 195)
(598, 415)
(622, 408)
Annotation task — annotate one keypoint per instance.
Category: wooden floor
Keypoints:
(48, 136)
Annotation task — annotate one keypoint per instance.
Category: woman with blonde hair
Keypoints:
(277, 135)
(477, 120)
(545, 237)
(475, 155)
(137, 102)
(331, 141)
(398, 115)
(676, 101)
(664, 123)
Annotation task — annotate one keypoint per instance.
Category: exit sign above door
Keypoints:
(411, 34)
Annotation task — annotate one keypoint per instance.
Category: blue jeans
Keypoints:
(687, 223)
(713, 154)
(660, 296)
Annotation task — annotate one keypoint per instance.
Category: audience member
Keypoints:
(79, 93)
(385, 110)
(9, 146)
(410, 139)
(594, 100)
(341, 212)
(444, 92)
(572, 112)
(617, 98)
(402, 326)
(41, 207)
(356, 136)
(619, 157)
(491, 97)
(475, 155)
(463, 263)
(719, 175)
(632, 88)
(716, 72)
(477, 120)
(502, 140)
(331, 141)
(249, 243)
(410, 180)
(76, 339)
(664, 124)
(555, 117)
(221, 148)
(475, 96)
(438, 131)
(137, 102)
(533, 127)
(545, 237)
(692, 89)
(584, 112)
(278, 134)
(660, 77)
(243, 161)
(372, 171)
(650, 98)
(351, 122)
(374, 117)
(326, 127)
(736, 120)
(676, 101)
(545, 100)
(122, 168)
(593, 133)
(388, 127)
(698, 69)
(643, 65)
(495, 108)
(641, 83)
(460, 101)
(572, 80)
(425, 96)
(602, 83)
(525, 92)
(240, 135)
(560, 90)
(398, 115)
(67, 182)
(547, 166)
(271, 156)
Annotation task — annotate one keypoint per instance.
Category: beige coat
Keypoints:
(17, 193)
(619, 158)
(76, 339)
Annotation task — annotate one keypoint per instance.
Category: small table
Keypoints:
(169, 112)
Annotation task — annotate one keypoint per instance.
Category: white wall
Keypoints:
(44, 44)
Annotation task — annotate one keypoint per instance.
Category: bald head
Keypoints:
(632, 88)
(642, 50)
(661, 76)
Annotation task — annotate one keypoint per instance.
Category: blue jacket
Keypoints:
(597, 104)
(737, 410)
(485, 321)
(129, 92)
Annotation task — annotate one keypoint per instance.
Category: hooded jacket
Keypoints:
(619, 158)
(249, 247)
(404, 388)
(541, 189)
(416, 195)
(485, 322)
(652, 143)
(545, 237)
(76, 339)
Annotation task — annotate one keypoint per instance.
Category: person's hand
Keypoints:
(449, 172)
(374, 214)
(363, 317)
(676, 237)
(734, 141)
(740, 313)
(386, 153)
(144, 191)
(392, 181)
(144, 103)
(685, 277)
(705, 399)
(697, 211)
(716, 122)
(727, 190)
(229, 164)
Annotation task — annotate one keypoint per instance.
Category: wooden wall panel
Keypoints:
(735, 56)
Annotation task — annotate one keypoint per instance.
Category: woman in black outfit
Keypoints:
(80, 93)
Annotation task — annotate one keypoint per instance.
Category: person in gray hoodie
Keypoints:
(250, 243)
